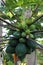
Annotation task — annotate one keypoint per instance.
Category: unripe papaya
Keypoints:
(31, 44)
(27, 31)
(16, 34)
(13, 43)
(32, 27)
(20, 50)
(23, 34)
(10, 49)
(22, 40)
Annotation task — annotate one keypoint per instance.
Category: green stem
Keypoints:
(36, 20)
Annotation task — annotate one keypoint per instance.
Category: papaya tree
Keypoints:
(25, 19)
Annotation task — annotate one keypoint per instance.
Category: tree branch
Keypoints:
(4, 15)
(39, 31)
(35, 10)
(3, 1)
(8, 23)
(41, 50)
(34, 42)
(9, 10)
(12, 12)
(6, 26)
(36, 20)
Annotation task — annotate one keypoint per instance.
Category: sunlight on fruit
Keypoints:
(23, 64)
(40, 13)
(9, 14)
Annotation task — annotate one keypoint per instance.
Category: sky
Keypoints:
(4, 31)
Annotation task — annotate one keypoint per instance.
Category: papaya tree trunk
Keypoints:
(0, 33)
(15, 59)
(30, 59)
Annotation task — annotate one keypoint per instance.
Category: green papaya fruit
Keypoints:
(22, 40)
(27, 31)
(31, 44)
(20, 50)
(16, 34)
(32, 27)
(10, 49)
(18, 24)
(13, 42)
(31, 36)
(24, 25)
(23, 34)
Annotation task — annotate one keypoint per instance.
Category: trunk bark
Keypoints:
(30, 59)
(0, 32)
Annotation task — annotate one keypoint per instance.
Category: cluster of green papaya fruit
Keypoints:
(20, 45)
